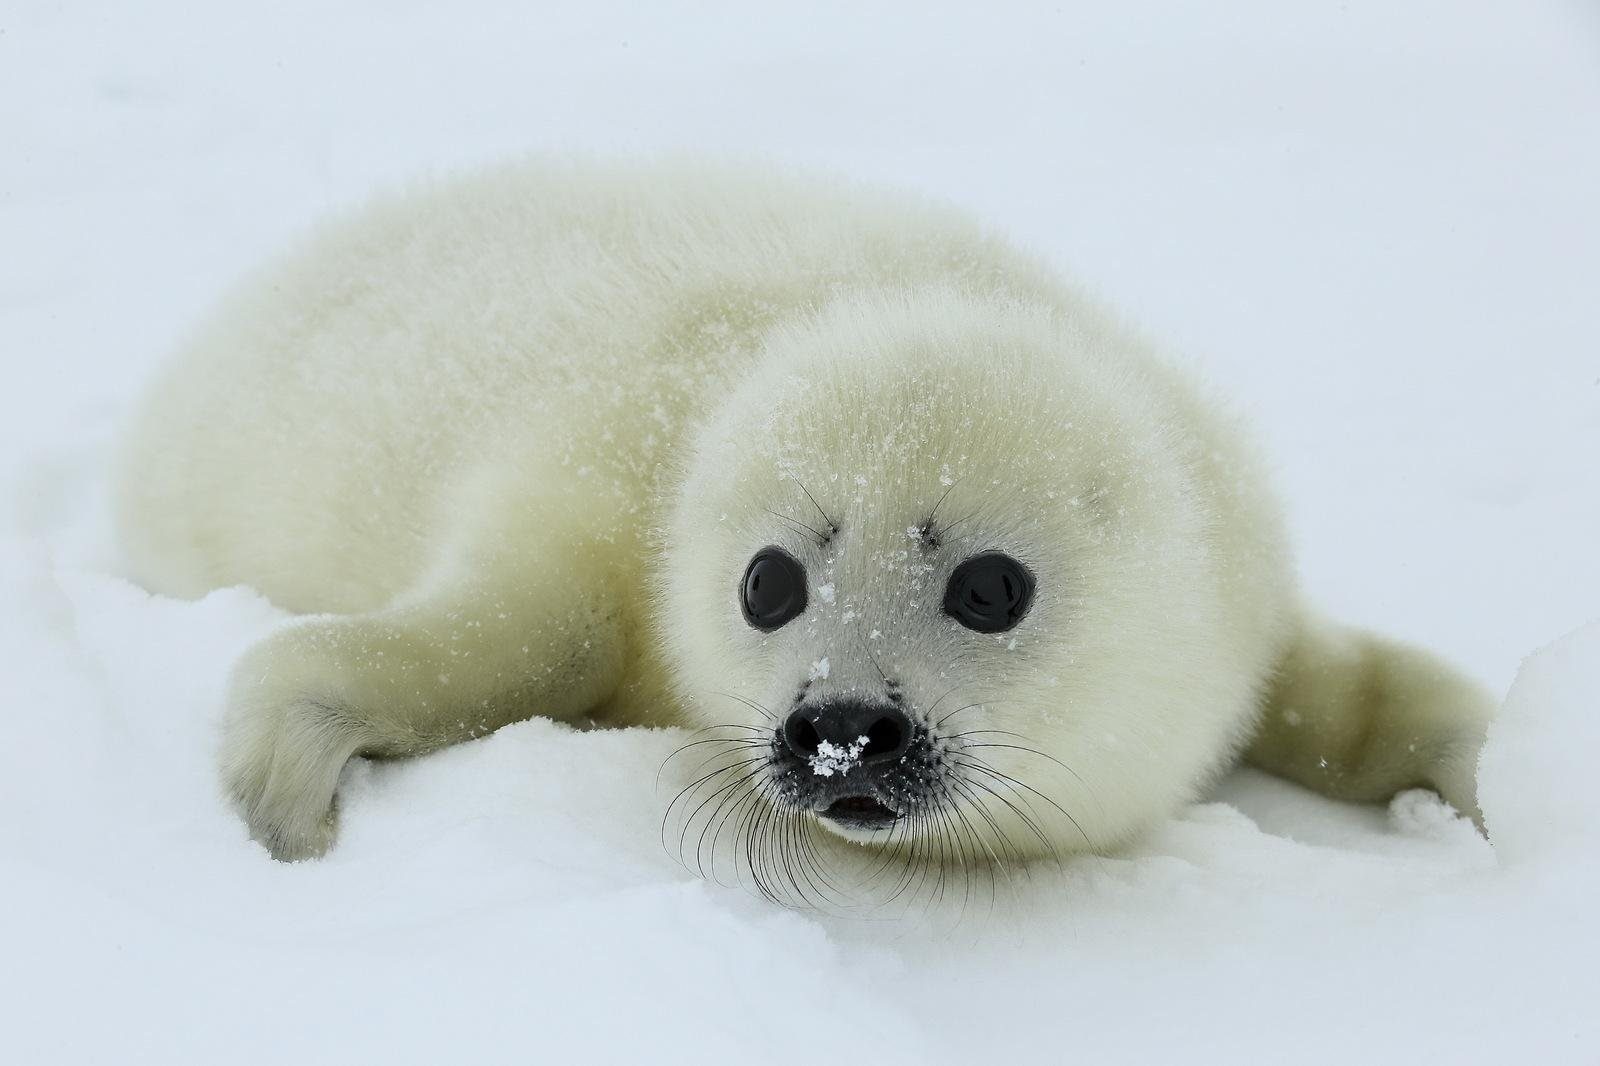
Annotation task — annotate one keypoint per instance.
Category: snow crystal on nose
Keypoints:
(833, 758)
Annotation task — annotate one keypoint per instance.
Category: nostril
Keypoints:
(801, 735)
(868, 733)
(887, 737)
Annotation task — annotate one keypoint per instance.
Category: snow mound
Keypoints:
(1537, 780)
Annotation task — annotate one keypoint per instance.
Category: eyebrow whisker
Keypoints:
(822, 538)
(833, 527)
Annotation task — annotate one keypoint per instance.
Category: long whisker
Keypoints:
(889, 851)
(750, 797)
(722, 790)
(1022, 816)
(717, 818)
(1018, 747)
(714, 756)
(819, 534)
(1022, 786)
(712, 740)
(808, 829)
(691, 787)
(744, 830)
(928, 714)
(1002, 838)
(752, 704)
(831, 524)
(716, 822)
(727, 742)
(933, 514)
(1030, 788)
(958, 710)
(876, 664)
(944, 531)
(1027, 748)
(978, 841)
(966, 856)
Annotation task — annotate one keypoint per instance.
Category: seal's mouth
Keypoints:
(861, 813)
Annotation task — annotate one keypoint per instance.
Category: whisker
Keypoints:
(831, 524)
(725, 741)
(821, 536)
(688, 823)
(718, 819)
(755, 851)
(712, 740)
(1002, 838)
(825, 870)
(802, 859)
(715, 755)
(1022, 816)
(977, 841)
(935, 704)
(874, 659)
(692, 786)
(914, 838)
(1028, 748)
(933, 514)
(889, 851)
(744, 830)
(944, 531)
(1019, 747)
(751, 797)
(753, 705)
(1024, 785)
(957, 711)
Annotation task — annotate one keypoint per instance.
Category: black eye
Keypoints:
(774, 589)
(989, 592)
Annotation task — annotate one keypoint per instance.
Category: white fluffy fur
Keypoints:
(519, 435)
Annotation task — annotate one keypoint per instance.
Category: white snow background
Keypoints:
(1376, 224)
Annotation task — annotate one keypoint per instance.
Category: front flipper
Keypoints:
(526, 625)
(1360, 717)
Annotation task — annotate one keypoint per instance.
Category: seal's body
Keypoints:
(937, 547)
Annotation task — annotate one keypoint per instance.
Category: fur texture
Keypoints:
(513, 439)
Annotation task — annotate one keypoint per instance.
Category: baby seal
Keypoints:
(940, 550)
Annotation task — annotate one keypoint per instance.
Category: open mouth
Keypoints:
(860, 812)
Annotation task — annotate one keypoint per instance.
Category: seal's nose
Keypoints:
(843, 724)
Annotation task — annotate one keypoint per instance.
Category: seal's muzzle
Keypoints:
(844, 759)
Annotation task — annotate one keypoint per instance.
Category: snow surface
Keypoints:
(1375, 224)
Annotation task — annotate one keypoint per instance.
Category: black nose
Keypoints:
(842, 723)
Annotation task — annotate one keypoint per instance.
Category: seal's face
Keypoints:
(865, 757)
(926, 587)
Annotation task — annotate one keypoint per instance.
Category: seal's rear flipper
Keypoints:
(1360, 717)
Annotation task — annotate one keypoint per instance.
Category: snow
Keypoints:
(833, 758)
(1372, 224)
(1546, 735)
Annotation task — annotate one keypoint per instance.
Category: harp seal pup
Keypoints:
(834, 473)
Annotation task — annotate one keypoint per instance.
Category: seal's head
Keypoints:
(950, 574)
